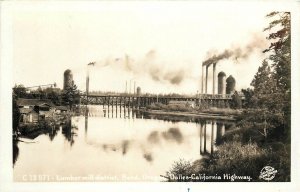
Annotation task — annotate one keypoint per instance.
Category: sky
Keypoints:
(159, 45)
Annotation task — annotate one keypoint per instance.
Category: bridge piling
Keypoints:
(124, 111)
(212, 137)
(204, 144)
(201, 130)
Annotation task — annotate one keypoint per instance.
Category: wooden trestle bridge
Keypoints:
(135, 101)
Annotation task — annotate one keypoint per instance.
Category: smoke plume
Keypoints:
(235, 52)
(158, 70)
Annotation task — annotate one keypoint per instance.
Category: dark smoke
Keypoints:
(151, 65)
(236, 52)
(155, 73)
(175, 77)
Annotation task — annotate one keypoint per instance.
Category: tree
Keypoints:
(280, 58)
(41, 93)
(259, 100)
(236, 101)
(15, 114)
(262, 79)
(270, 97)
(264, 87)
(249, 100)
(54, 94)
(19, 91)
(70, 95)
(280, 48)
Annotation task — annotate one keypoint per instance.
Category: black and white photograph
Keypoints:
(149, 92)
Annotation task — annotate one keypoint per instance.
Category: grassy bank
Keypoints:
(240, 152)
(195, 110)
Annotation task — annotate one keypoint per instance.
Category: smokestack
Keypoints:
(134, 87)
(202, 79)
(138, 91)
(214, 77)
(87, 83)
(206, 76)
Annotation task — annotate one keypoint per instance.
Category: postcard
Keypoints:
(149, 95)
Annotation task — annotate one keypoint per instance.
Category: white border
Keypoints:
(6, 183)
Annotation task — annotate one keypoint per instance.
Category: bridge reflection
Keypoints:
(210, 130)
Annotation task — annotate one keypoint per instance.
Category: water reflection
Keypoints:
(148, 157)
(52, 131)
(118, 140)
(125, 146)
(69, 131)
(153, 137)
(173, 134)
(15, 151)
(211, 130)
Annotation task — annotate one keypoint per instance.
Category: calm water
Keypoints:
(114, 145)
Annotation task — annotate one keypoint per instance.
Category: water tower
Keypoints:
(68, 79)
(221, 83)
(230, 85)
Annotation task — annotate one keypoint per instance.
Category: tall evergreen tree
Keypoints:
(70, 95)
(272, 83)
(280, 58)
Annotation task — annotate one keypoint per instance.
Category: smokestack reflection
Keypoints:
(216, 131)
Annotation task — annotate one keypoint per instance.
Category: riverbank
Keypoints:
(242, 155)
(178, 112)
(188, 114)
(44, 126)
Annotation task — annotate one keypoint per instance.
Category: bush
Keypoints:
(155, 106)
(160, 106)
(241, 159)
(179, 168)
(203, 105)
(245, 135)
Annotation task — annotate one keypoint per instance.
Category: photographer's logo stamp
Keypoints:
(267, 173)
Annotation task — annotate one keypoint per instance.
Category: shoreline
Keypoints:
(189, 114)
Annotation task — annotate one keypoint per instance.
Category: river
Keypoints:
(114, 145)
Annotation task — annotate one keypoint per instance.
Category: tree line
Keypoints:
(268, 101)
(67, 97)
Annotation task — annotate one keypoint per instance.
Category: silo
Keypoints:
(221, 83)
(138, 91)
(68, 79)
(230, 85)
